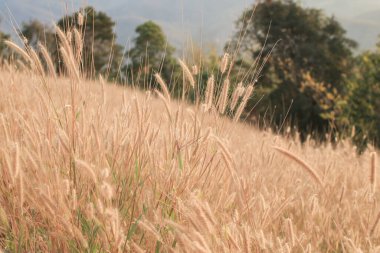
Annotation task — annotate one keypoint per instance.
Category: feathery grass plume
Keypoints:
(79, 236)
(209, 92)
(138, 110)
(66, 186)
(224, 63)
(80, 19)
(67, 53)
(307, 167)
(136, 248)
(69, 63)
(103, 83)
(5, 127)
(343, 191)
(232, 241)
(200, 243)
(47, 204)
(223, 98)
(209, 213)
(290, 231)
(228, 160)
(373, 172)
(243, 103)
(373, 227)
(48, 60)
(90, 211)
(247, 240)
(36, 61)
(224, 149)
(89, 171)
(4, 222)
(187, 72)
(21, 191)
(203, 220)
(106, 190)
(10, 170)
(308, 248)
(286, 248)
(149, 228)
(78, 45)
(207, 134)
(195, 70)
(166, 103)
(105, 173)
(99, 206)
(19, 50)
(63, 39)
(163, 86)
(16, 161)
(74, 200)
(238, 92)
(353, 132)
(69, 36)
(20, 65)
(64, 141)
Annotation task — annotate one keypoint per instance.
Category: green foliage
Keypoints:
(101, 54)
(3, 37)
(36, 32)
(363, 106)
(304, 41)
(204, 62)
(151, 53)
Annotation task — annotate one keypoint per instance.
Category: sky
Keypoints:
(202, 21)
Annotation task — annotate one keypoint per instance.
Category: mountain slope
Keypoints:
(91, 166)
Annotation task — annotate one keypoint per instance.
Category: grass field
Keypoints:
(94, 167)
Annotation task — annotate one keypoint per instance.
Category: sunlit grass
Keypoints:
(90, 166)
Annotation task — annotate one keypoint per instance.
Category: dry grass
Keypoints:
(88, 166)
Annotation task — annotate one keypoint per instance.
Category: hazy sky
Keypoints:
(344, 8)
(182, 19)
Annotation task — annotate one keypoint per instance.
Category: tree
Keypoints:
(36, 32)
(204, 62)
(305, 42)
(3, 38)
(101, 54)
(151, 53)
(363, 106)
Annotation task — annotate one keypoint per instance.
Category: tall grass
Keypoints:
(92, 167)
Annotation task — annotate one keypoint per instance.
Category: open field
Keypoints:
(93, 167)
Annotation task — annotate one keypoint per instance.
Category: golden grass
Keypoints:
(93, 166)
(187, 72)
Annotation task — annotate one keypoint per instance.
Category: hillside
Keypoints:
(98, 167)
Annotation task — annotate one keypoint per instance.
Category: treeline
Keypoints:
(307, 78)
(312, 82)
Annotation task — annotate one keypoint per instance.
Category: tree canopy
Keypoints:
(363, 106)
(3, 37)
(101, 53)
(151, 52)
(36, 32)
(303, 42)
